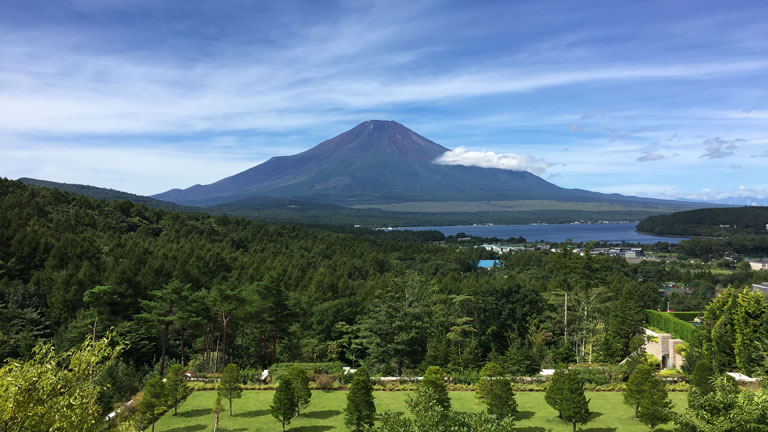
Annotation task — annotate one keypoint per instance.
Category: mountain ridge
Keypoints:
(382, 162)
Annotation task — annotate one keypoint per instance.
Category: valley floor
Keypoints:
(326, 412)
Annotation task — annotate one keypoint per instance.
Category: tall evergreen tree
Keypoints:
(154, 399)
(360, 411)
(434, 380)
(229, 384)
(495, 390)
(178, 389)
(160, 313)
(655, 407)
(574, 404)
(300, 384)
(555, 390)
(283, 406)
(636, 386)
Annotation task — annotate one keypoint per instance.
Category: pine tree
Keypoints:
(655, 407)
(555, 389)
(434, 379)
(300, 381)
(636, 386)
(701, 382)
(495, 390)
(178, 389)
(153, 401)
(361, 410)
(229, 384)
(574, 403)
(283, 406)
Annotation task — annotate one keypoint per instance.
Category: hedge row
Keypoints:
(674, 326)
(686, 316)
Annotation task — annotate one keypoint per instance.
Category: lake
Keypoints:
(608, 232)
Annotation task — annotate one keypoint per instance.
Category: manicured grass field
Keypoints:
(326, 412)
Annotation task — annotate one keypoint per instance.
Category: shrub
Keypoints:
(324, 381)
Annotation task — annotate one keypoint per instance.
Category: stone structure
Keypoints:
(662, 346)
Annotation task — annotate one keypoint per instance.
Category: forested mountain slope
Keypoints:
(716, 222)
(208, 290)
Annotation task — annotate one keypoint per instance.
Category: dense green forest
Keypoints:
(708, 222)
(205, 291)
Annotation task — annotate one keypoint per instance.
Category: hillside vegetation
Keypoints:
(709, 222)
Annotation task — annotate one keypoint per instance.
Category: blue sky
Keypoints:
(663, 99)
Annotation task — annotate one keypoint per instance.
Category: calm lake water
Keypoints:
(610, 232)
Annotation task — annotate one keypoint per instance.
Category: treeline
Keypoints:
(709, 222)
(205, 291)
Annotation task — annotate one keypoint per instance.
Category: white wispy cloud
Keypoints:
(489, 159)
(648, 157)
(717, 148)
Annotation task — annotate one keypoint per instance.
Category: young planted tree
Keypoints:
(495, 390)
(555, 391)
(434, 380)
(361, 410)
(655, 407)
(229, 384)
(283, 406)
(216, 410)
(178, 389)
(154, 399)
(636, 386)
(574, 404)
(300, 382)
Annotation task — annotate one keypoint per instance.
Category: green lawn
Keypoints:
(325, 413)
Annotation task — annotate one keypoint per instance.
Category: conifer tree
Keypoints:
(300, 381)
(283, 406)
(361, 410)
(495, 390)
(178, 389)
(655, 407)
(574, 404)
(434, 379)
(636, 386)
(229, 384)
(555, 389)
(154, 399)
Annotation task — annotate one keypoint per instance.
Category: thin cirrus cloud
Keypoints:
(488, 159)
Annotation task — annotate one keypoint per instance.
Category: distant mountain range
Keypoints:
(385, 165)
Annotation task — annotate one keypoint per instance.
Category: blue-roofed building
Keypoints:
(487, 264)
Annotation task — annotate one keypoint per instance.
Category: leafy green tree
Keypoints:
(726, 409)
(655, 407)
(300, 381)
(750, 312)
(637, 390)
(154, 400)
(556, 389)
(283, 406)
(360, 411)
(178, 389)
(574, 404)
(229, 384)
(55, 391)
(495, 390)
(700, 382)
(434, 380)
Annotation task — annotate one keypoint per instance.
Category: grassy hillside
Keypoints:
(712, 222)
